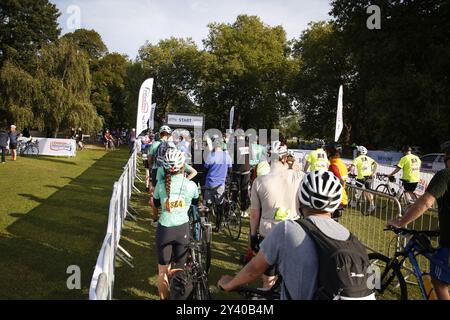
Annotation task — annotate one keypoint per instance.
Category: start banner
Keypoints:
(57, 147)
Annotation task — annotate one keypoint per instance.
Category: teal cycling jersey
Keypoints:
(152, 152)
(175, 207)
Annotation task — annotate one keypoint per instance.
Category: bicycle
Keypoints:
(392, 281)
(390, 190)
(110, 145)
(195, 276)
(359, 201)
(201, 232)
(231, 215)
(250, 293)
(29, 148)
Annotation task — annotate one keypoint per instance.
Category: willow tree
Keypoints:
(63, 73)
(55, 96)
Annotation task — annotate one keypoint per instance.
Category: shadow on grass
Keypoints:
(65, 229)
(56, 160)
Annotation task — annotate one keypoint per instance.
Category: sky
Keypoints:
(125, 25)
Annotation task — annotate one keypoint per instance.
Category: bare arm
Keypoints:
(395, 171)
(254, 221)
(252, 271)
(192, 172)
(416, 211)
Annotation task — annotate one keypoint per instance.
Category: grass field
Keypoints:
(53, 214)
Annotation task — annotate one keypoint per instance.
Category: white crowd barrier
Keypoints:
(102, 283)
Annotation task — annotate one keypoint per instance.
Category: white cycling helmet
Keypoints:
(321, 190)
(165, 129)
(174, 160)
(362, 150)
(278, 149)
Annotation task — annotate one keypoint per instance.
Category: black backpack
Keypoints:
(161, 153)
(342, 265)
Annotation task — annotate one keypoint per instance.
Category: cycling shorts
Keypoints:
(171, 244)
(410, 187)
(13, 146)
(440, 270)
(367, 182)
(153, 176)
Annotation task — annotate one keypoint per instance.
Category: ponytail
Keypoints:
(168, 182)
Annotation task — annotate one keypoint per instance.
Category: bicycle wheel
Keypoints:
(34, 151)
(206, 251)
(234, 221)
(392, 283)
(380, 201)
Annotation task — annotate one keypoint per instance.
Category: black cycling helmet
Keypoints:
(334, 149)
(445, 147)
(406, 149)
(320, 143)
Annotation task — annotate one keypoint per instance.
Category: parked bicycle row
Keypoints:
(296, 243)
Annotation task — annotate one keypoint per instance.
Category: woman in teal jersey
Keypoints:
(175, 194)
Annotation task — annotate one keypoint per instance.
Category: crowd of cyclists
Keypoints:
(296, 242)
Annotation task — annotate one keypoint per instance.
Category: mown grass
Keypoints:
(53, 214)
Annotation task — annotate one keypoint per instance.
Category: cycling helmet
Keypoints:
(406, 149)
(445, 147)
(362, 150)
(334, 149)
(321, 190)
(278, 149)
(165, 129)
(320, 143)
(290, 153)
(174, 160)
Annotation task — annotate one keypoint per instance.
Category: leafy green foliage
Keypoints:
(26, 25)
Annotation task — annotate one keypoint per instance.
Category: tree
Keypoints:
(248, 67)
(176, 66)
(323, 66)
(402, 88)
(26, 25)
(90, 41)
(56, 95)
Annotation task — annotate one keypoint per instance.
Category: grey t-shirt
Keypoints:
(289, 247)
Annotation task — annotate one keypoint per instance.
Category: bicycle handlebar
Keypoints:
(430, 233)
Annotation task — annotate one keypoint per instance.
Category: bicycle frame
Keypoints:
(412, 250)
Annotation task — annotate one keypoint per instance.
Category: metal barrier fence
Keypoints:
(102, 283)
(369, 226)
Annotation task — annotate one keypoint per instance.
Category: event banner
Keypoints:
(144, 106)
(57, 147)
(340, 116)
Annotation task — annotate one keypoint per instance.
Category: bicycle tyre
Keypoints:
(34, 151)
(389, 291)
(383, 188)
(234, 222)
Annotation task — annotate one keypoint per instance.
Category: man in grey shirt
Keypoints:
(290, 247)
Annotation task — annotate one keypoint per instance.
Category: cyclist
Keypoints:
(146, 144)
(410, 164)
(339, 169)
(107, 138)
(164, 135)
(366, 168)
(290, 248)
(317, 159)
(273, 200)
(175, 196)
(218, 163)
(241, 172)
(438, 190)
(190, 171)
